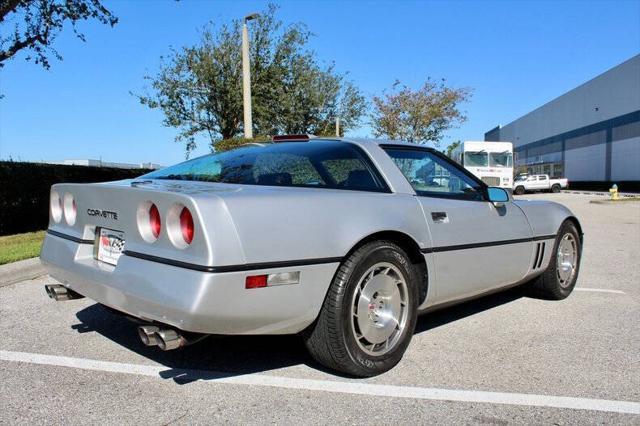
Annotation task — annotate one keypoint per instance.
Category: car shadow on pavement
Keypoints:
(226, 356)
(463, 310)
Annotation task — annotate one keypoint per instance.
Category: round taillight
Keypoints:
(149, 222)
(180, 226)
(154, 220)
(186, 225)
(56, 206)
(70, 209)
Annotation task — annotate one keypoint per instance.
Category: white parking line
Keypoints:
(599, 290)
(351, 387)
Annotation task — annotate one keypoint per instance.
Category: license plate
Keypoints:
(110, 245)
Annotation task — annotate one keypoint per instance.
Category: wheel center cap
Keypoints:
(375, 307)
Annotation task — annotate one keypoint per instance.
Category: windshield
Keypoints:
(320, 164)
(501, 159)
(521, 177)
(476, 159)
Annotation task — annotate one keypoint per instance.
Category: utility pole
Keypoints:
(246, 77)
(338, 127)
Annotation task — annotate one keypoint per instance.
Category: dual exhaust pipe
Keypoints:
(167, 339)
(61, 293)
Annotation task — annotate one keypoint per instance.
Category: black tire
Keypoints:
(519, 190)
(331, 340)
(555, 188)
(549, 285)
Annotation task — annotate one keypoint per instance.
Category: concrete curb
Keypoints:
(599, 193)
(618, 201)
(22, 270)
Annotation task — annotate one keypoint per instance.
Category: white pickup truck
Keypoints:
(529, 183)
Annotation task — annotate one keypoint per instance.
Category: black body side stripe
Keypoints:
(69, 237)
(544, 237)
(233, 268)
(288, 263)
(487, 244)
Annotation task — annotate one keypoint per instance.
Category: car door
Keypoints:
(476, 245)
(538, 183)
(543, 182)
(532, 183)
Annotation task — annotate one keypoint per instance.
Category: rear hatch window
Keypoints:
(317, 164)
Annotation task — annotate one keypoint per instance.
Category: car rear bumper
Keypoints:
(196, 301)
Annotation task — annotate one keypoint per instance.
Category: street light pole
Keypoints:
(246, 78)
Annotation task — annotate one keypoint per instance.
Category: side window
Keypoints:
(430, 175)
(542, 178)
(285, 169)
(350, 173)
(339, 168)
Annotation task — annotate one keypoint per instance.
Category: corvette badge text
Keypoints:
(103, 213)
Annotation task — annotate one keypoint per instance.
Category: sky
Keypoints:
(515, 55)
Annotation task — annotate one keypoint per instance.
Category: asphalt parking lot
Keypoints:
(502, 359)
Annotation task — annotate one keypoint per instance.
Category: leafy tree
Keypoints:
(36, 23)
(452, 146)
(199, 88)
(418, 116)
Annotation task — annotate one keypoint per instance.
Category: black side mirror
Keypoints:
(498, 196)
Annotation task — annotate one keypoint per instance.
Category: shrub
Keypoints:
(25, 187)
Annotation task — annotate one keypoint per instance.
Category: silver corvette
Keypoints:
(343, 241)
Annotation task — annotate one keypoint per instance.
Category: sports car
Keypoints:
(342, 241)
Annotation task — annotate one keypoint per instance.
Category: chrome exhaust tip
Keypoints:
(61, 293)
(148, 335)
(169, 339)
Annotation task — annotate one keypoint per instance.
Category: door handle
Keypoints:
(440, 217)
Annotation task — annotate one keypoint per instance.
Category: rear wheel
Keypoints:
(555, 188)
(558, 281)
(369, 314)
(519, 190)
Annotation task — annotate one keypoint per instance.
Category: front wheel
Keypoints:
(519, 190)
(558, 281)
(369, 314)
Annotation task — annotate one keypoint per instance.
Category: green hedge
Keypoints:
(25, 187)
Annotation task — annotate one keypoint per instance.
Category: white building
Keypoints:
(591, 134)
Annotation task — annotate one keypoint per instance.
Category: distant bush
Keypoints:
(25, 187)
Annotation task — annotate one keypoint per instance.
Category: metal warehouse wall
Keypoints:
(591, 133)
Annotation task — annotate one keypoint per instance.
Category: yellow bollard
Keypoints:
(614, 192)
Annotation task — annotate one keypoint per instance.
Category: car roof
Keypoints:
(369, 141)
(366, 143)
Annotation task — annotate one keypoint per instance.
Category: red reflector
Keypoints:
(154, 220)
(186, 225)
(256, 281)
